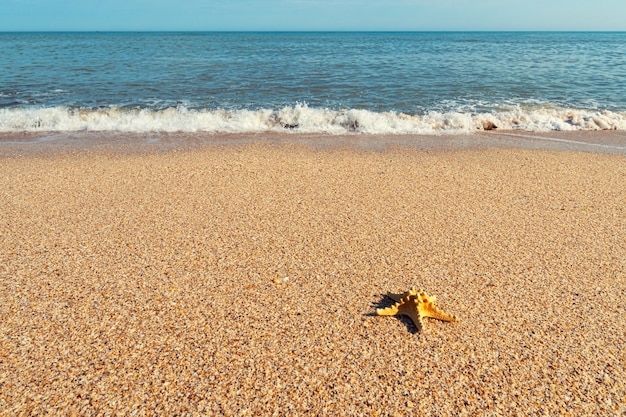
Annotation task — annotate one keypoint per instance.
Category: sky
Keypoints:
(306, 15)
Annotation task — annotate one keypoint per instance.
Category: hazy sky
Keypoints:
(312, 15)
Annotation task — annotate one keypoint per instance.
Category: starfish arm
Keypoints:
(389, 311)
(398, 297)
(411, 311)
(429, 310)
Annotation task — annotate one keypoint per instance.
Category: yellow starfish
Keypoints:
(416, 304)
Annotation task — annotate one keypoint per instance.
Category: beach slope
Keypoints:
(243, 280)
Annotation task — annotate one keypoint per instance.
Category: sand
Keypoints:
(243, 280)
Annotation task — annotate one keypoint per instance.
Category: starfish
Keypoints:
(416, 304)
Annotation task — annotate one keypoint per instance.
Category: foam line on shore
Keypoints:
(568, 141)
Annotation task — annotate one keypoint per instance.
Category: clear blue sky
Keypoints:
(312, 15)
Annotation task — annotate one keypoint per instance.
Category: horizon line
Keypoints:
(309, 31)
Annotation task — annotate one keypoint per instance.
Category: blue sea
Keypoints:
(330, 83)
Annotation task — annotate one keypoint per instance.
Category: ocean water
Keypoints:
(332, 83)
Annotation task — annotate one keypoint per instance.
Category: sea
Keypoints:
(327, 82)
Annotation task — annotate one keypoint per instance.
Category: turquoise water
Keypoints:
(312, 82)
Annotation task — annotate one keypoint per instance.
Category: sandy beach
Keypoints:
(242, 278)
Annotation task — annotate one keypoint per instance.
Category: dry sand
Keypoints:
(154, 283)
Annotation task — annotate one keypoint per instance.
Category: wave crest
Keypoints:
(300, 118)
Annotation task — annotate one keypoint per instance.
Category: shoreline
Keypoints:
(26, 143)
(244, 280)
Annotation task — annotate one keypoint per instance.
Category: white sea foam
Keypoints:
(301, 118)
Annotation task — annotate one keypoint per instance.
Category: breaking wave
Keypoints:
(302, 119)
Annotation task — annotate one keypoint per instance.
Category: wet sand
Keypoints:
(241, 276)
(46, 143)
